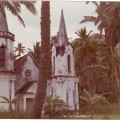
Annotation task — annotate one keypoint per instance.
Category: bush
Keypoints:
(101, 109)
(107, 109)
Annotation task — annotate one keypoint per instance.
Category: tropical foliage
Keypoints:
(36, 51)
(15, 8)
(93, 99)
(19, 50)
(54, 107)
(11, 102)
(107, 19)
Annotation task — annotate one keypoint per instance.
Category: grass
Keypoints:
(101, 112)
(108, 116)
(13, 115)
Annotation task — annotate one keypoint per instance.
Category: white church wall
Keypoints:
(29, 64)
(61, 62)
(10, 55)
(2, 41)
(66, 88)
(5, 89)
(21, 77)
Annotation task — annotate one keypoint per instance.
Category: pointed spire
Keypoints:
(62, 38)
(3, 22)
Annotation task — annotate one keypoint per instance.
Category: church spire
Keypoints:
(3, 22)
(62, 38)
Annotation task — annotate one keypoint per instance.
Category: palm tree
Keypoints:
(85, 53)
(20, 49)
(53, 39)
(11, 102)
(15, 8)
(54, 107)
(85, 49)
(113, 62)
(100, 20)
(93, 99)
(36, 51)
(45, 62)
(112, 10)
(108, 19)
(83, 33)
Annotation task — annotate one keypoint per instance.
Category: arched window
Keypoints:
(69, 63)
(2, 56)
(54, 65)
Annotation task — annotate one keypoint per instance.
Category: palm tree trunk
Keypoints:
(45, 63)
(92, 112)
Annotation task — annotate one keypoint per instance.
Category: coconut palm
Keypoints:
(85, 53)
(15, 8)
(108, 19)
(83, 33)
(100, 19)
(113, 63)
(36, 51)
(85, 49)
(20, 49)
(112, 10)
(93, 99)
(54, 107)
(11, 102)
(53, 39)
(45, 62)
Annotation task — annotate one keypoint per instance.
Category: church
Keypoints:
(21, 76)
(63, 82)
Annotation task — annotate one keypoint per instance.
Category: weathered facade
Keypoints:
(21, 76)
(7, 73)
(26, 84)
(63, 82)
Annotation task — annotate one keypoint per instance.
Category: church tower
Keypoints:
(7, 74)
(63, 82)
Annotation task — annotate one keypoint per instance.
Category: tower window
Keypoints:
(2, 56)
(69, 63)
(53, 64)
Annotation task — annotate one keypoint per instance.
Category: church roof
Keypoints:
(22, 59)
(3, 22)
(25, 87)
(62, 37)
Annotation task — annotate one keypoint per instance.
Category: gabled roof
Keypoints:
(62, 37)
(20, 60)
(25, 87)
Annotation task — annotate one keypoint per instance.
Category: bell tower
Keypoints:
(7, 74)
(6, 45)
(62, 53)
(63, 82)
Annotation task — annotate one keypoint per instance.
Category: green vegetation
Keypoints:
(55, 107)
(13, 115)
(11, 102)
(96, 63)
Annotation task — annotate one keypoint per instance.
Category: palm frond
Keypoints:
(14, 12)
(88, 19)
(30, 6)
(6, 99)
(15, 99)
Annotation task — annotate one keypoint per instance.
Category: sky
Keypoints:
(73, 14)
